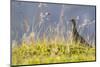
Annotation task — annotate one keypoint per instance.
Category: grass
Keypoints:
(44, 52)
(52, 51)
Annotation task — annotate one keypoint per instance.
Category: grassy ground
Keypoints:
(47, 52)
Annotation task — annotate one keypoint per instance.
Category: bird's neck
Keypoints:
(74, 29)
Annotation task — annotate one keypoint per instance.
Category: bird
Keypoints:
(76, 36)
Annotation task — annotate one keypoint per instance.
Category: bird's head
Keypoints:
(73, 21)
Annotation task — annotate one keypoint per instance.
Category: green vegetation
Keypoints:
(51, 52)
